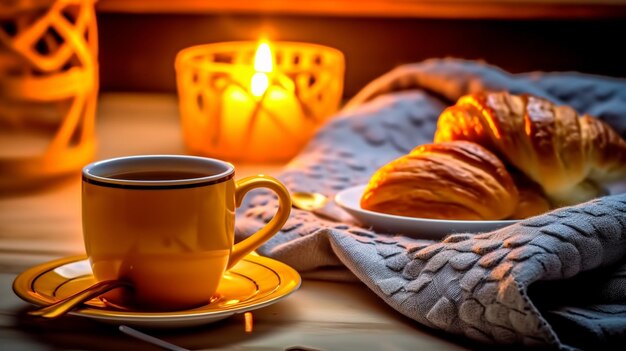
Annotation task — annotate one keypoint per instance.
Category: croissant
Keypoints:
(531, 200)
(567, 155)
(451, 180)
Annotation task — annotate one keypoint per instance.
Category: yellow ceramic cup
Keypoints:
(165, 223)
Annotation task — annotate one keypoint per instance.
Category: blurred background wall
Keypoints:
(140, 38)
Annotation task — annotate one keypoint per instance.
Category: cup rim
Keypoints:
(90, 175)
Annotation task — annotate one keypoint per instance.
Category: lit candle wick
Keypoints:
(262, 65)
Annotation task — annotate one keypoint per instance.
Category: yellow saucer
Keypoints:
(253, 283)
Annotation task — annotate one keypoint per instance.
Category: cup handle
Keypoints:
(241, 249)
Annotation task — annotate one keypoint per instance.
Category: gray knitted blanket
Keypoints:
(556, 280)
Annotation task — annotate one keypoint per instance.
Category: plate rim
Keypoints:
(22, 287)
(338, 199)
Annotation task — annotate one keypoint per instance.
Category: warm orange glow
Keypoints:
(262, 64)
(259, 109)
(48, 127)
(527, 125)
(249, 322)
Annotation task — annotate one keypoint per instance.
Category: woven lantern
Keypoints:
(48, 89)
(243, 101)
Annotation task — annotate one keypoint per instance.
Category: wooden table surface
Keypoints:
(44, 224)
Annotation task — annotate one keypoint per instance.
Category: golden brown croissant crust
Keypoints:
(450, 180)
(567, 155)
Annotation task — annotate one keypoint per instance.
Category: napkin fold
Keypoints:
(556, 280)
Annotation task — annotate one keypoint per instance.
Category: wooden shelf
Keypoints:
(450, 9)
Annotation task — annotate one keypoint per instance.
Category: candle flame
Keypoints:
(263, 65)
(263, 58)
(260, 83)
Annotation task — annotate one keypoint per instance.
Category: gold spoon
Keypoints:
(308, 201)
(61, 307)
(312, 202)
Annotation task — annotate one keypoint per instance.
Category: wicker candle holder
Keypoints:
(48, 89)
(242, 103)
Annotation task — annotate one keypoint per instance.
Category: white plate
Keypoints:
(421, 228)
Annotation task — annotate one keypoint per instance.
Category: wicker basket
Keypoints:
(48, 89)
(222, 118)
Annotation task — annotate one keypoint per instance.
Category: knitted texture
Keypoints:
(517, 285)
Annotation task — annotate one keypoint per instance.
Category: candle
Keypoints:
(261, 120)
(256, 103)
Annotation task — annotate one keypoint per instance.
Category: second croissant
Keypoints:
(451, 180)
